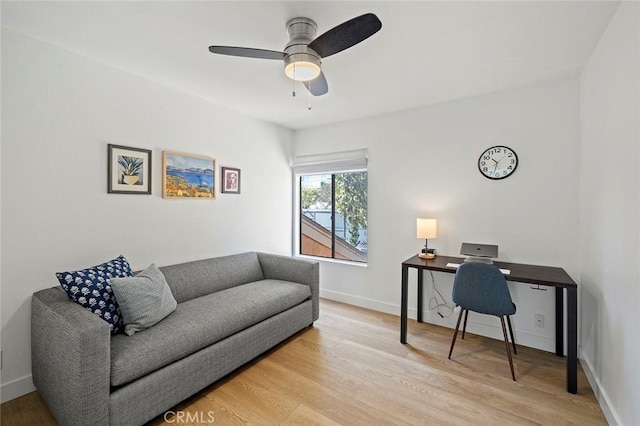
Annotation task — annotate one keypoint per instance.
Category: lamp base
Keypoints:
(427, 255)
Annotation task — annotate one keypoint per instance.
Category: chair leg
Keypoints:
(513, 340)
(464, 325)
(455, 334)
(506, 345)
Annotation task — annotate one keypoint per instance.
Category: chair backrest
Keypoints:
(481, 287)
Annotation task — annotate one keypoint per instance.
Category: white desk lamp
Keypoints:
(427, 228)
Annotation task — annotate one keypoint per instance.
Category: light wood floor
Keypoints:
(350, 369)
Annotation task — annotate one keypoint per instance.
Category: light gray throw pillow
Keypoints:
(144, 300)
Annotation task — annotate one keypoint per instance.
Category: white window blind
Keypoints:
(336, 162)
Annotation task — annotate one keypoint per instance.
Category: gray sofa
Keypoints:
(230, 310)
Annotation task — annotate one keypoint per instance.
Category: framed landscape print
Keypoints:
(128, 170)
(230, 180)
(188, 176)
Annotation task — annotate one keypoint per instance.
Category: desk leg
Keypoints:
(420, 293)
(559, 321)
(403, 304)
(572, 340)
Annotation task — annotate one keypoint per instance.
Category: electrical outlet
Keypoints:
(538, 320)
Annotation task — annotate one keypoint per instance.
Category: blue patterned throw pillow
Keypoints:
(90, 288)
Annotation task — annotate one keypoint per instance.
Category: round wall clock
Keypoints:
(498, 162)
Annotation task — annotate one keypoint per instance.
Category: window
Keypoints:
(333, 209)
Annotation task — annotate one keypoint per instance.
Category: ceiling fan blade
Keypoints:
(318, 86)
(247, 52)
(345, 35)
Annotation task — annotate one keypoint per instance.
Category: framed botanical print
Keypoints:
(230, 180)
(128, 170)
(188, 176)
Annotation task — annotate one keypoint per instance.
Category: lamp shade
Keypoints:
(426, 228)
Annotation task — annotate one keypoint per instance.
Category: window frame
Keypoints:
(297, 207)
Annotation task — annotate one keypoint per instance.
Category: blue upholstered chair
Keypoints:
(480, 287)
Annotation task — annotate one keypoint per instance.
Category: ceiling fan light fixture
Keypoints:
(302, 67)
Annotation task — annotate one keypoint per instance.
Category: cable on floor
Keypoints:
(437, 305)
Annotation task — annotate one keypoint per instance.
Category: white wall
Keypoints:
(609, 213)
(423, 163)
(60, 111)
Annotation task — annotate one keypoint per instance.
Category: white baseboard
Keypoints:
(601, 395)
(16, 388)
(525, 339)
(387, 308)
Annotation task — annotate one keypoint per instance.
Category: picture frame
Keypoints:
(230, 178)
(187, 176)
(128, 170)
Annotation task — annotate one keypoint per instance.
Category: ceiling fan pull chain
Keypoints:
(294, 80)
(309, 97)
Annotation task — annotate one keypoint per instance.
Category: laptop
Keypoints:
(479, 252)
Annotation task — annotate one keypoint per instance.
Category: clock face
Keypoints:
(498, 162)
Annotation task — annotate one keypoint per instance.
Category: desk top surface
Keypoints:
(533, 274)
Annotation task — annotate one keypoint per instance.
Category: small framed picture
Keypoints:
(128, 170)
(188, 176)
(230, 180)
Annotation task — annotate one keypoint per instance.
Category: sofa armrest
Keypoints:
(70, 356)
(301, 271)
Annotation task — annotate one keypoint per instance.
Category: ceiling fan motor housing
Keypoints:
(301, 62)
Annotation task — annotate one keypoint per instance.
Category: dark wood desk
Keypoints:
(531, 274)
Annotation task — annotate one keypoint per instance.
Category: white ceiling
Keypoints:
(426, 52)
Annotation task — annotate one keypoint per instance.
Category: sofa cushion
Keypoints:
(90, 288)
(198, 323)
(194, 279)
(144, 300)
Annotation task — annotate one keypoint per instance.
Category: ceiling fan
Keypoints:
(303, 53)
